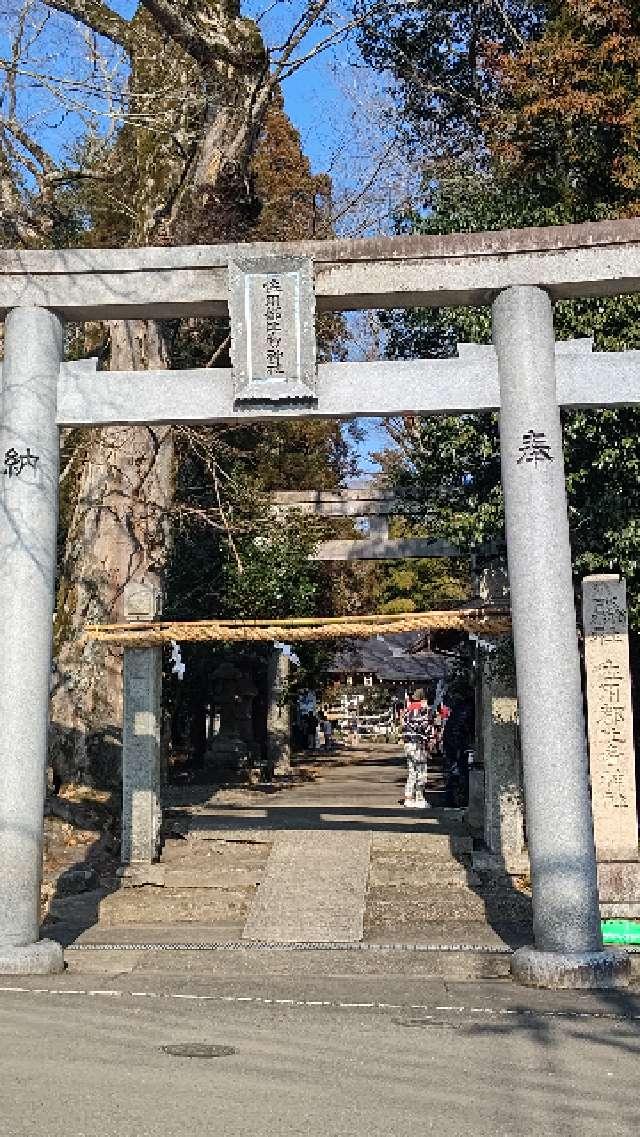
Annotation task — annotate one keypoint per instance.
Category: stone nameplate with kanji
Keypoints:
(142, 601)
(273, 339)
(611, 754)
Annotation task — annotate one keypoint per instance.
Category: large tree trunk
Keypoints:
(119, 532)
(186, 171)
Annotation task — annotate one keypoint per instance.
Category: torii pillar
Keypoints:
(568, 949)
(29, 448)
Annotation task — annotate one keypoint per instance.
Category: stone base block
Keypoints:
(134, 875)
(231, 756)
(484, 860)
(621, 911)
(595, 970)
(619, 882)
(42, 958)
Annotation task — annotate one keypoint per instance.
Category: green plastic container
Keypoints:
(621, 931)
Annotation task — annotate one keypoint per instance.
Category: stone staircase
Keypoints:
(200, 880)
(395, 903)
(422, 888)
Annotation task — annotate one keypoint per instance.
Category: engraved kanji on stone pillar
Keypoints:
(273, 338)
(611, 755)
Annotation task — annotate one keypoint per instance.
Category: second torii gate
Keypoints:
(374, 504)
(272, 293)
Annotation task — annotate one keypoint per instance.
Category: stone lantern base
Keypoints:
(231, 756)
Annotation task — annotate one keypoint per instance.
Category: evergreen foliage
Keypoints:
(551, 130)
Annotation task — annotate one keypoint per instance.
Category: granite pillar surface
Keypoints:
(568, 941)
(29, 449)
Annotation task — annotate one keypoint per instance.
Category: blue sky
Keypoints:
(317, 99)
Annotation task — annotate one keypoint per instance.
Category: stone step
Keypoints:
(477, 933)
(228, 878)
(243, 960)
(177, 934)
(430, 846)
(150, 904)
(490, 895)
(250, 835)
(394, 909)
(451, 904)
(392, 921)
(187, 875)
(215, 852)
(420, 873)
(416, 891)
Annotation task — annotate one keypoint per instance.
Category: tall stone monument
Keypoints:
(504, 834)
(141, 805)
(278, 711)
(611, 755)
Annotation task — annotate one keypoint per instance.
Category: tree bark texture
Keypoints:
(181, 159)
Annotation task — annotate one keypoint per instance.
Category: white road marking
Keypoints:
(260, 1000)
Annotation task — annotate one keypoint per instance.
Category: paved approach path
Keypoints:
(313, 890)
(357, 789)
(348, 863)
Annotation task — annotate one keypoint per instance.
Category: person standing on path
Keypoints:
(327, 731)
(416, 733)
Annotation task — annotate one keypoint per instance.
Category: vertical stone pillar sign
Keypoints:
(568, 948)
(503, 798)
(33, 345)
(278, 714)
(611, 756)
(142, 703)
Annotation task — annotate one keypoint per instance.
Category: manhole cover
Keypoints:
(198, 1050)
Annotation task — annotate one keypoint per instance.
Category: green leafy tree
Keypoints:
(551, 132)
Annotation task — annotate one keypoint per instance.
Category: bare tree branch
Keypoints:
(509, 24)
(44, 164)
(302, 27)
(98, 16)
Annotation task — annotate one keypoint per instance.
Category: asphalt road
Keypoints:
(82, 1056)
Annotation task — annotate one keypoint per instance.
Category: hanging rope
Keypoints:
(489, 621)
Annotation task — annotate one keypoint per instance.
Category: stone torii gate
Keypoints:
(377, 506)
(272, 293)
